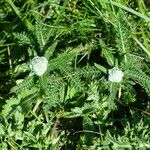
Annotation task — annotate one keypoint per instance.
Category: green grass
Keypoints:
(74, 105)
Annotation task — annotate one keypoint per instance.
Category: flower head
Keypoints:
(115, 75)
(39, 65)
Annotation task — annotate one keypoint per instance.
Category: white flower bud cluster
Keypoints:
(39, 65)
(115, 75)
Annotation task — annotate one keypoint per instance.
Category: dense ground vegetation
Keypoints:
(75, 104)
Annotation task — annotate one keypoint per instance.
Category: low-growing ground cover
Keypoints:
(74, 74)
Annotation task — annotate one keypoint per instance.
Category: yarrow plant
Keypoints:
(87, 83)
(115, 75)
(39, 65)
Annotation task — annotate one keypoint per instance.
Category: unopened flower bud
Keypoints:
(115, 75)
(39, 65)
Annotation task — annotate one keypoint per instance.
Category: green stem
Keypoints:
(129, 10)
(26, 22)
